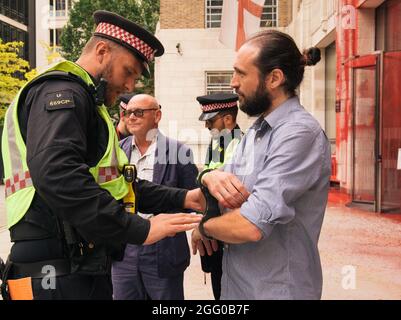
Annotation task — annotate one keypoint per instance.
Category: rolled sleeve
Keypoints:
(292, 165)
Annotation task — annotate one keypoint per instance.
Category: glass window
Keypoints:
(9, 33)
(269, 16)
(388, 26)
(55, 35)
(60, 8)
(15, 9)
(214, 9)
(218, 82)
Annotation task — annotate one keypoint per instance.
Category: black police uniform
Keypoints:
(72, 223)
(62, 143)
(211, 106)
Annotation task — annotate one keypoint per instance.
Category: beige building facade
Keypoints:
(51, 17)
(196, 63)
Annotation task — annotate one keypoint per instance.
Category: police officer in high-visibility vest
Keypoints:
(70, 198)
(219, 111)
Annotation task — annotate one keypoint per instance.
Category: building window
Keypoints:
(269, 16)
(218, 82)
(388, 26)
(9, 33)
(59, 8)
(15, 9)
(214, 10)
(55, 35)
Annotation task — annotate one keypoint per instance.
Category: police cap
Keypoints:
(212, 104)
(124, 99)
(144, 45)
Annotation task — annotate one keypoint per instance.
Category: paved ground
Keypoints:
(366, 242)
(352, 242)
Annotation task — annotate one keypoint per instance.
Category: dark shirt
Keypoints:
(62, 143)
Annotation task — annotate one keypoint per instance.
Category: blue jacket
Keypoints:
(173, 252)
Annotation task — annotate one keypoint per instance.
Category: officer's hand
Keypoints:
(226, 188)
(195, 200)
(168, 225)
(200, 243)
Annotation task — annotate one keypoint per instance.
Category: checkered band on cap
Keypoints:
(18, 182)
(218, 106)
(120, 34)
(107, 174)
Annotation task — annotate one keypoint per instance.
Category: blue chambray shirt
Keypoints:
(284, 161)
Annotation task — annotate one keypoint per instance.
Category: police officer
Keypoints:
(63, 172)
(121, 128)
(219, 111)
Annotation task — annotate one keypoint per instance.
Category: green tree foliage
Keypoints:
(14, 73)
(81, 26)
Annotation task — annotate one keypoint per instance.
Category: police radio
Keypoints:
(130, 174)
(101, 92)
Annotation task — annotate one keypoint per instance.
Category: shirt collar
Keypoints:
(154, 139)
(281, 112)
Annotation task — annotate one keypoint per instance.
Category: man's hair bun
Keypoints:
(311, 56)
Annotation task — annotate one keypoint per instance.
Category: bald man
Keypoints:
(156, 271)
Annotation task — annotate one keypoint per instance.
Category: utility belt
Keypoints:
(28, 271)
(81, 256)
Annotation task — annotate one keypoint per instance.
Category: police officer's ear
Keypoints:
(274, 79)
(103, 51)
(228, 120)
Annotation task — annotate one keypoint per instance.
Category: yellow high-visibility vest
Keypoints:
(18, 184)
(228, 154)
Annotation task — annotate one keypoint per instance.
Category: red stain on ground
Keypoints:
(338, 198)
(367, 241)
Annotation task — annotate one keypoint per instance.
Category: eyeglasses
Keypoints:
(139, 113)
